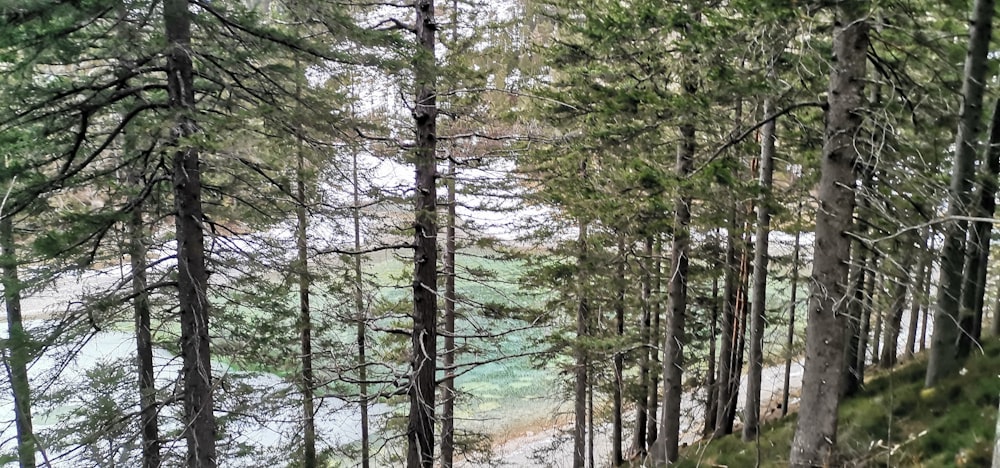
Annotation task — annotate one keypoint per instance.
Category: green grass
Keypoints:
(894, 421)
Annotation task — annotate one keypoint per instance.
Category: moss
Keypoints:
(949, 425)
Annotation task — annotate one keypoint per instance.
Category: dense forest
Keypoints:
(318, 233)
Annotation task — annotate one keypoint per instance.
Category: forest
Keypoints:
(366, 233)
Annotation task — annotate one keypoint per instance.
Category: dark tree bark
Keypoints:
(18, 344)
(192, 277)
(361, 316)
(654, 248)
(448, 392)
(727, 346)
(420, 429)
(711, 383)
(136, 233)
(945, 358)
(857, 325)
(873, 281)
(793, 304)
(580, 353)
(816, 429)
(977, 260)
(900, 285)
(666, 447)
(305, 316)
(649, 340)
(617, 456)
(751, 422)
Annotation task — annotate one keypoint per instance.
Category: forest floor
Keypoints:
(551, 444)
(894, 421)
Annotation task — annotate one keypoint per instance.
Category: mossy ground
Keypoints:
(893, 422)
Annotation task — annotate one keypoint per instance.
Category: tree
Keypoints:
(944, 356)
(192, 276)
(816, 430)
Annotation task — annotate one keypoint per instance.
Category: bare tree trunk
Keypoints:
(890, 350)
(649, 340)
(977, 260)
(868, 307)
(581, 364)
(816, 429)
(617, 457)
(711, 383)
(857, 324)
(305, 319)
(192, 277)
(420, 429)
(361, 316)
(656, 340)
(916, 297)
(945, 358)
(727, 351)
(448, 393)
(666, 447)
(758, 312)
(793, 303)
(926, 293)
(136, 233)
(18, 343)
(590, 423)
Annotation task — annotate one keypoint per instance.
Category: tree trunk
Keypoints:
(665, 449)
(656, 340)
(361, 317)
(448, 393)
(648, 340)
(305, 320)
(944, 357)
(580, 353)
(751, 423)
(857, 324)
(916, 297)
(617, 456)
(18, 343)
(977, 260)
(420, 429)
(136, 233)
(861, 355)
(816, 429)
(192, 277)
(925, 294)
(727, 347)
(590, 424)
(793, 303)
(711, 383)
(890, 350)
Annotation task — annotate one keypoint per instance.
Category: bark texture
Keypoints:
(816, 430)
(192, 277)
(17, 355)
(945, 358)
(423, 364)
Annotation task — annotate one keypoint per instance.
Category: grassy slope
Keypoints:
(893, 422)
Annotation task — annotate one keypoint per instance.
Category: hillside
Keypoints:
(894, 421)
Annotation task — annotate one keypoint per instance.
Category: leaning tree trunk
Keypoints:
(816, 429)
(945, 359)
(977, 261)
(751, 423)
(665, 449)
(192, 277)
(18, 343)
